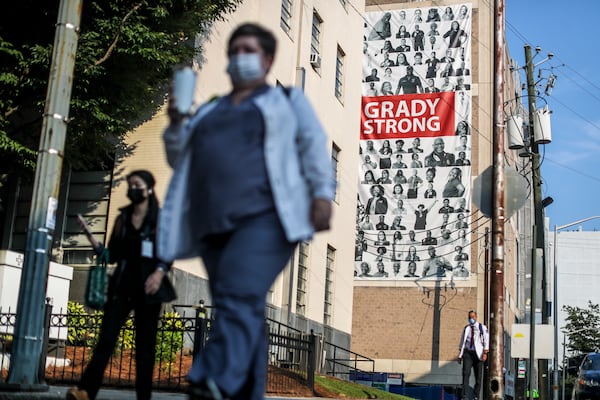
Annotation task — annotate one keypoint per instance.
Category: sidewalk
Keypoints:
(59, 392)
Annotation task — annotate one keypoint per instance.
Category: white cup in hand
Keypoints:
(184, 87)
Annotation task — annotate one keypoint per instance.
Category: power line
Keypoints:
(518, 34)
(585, 174)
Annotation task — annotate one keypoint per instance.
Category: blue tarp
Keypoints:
(423, 392)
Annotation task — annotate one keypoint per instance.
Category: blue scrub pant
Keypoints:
(241, 266)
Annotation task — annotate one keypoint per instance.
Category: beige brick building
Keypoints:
(405, 325)
(315, 52)
(413, 326)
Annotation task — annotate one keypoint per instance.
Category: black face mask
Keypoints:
(136, 195)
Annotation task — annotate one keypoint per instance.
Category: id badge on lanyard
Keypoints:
(147, 248)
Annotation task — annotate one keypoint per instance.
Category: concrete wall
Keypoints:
(57, 290)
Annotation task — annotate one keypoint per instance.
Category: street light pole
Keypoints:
(555, 307)
(539, 237)
(555, 311)
(563, 364)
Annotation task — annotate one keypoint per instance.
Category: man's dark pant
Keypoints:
(471, 361)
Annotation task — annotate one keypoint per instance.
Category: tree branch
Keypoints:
(113, 45)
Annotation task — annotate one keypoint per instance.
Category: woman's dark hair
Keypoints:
(145, 175)
(153, 205)
(266, 39)
(463, 124)
(381, 191)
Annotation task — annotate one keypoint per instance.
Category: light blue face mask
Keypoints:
(471, 321)
(243, 68)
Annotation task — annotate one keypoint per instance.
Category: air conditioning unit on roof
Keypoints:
(315, 60)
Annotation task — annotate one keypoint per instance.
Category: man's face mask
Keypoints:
(244, 68)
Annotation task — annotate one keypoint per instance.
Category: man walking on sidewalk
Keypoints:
(473, 352)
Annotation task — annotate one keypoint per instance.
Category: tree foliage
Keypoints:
(124, 60)
(582, 328)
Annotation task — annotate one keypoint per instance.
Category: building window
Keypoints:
(315, 38)
(335, 161)
(302, 278)
(339, 73)
(89, 195)
(286, 15)
(328, 309)
(315, 41)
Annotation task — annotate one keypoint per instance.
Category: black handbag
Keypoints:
(95, 290)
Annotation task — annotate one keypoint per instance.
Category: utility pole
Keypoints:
(486, 284)
(29, 324)
(539, 237)
(486, 296)
(496, 385)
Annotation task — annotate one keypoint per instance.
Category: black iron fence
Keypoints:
(291, 357)
(71, 338)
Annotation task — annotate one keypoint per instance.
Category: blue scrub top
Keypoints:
(228, 176)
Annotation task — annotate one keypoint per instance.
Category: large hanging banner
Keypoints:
(413, 218)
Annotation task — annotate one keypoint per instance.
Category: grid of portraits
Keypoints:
(413, 215)
(432, 44)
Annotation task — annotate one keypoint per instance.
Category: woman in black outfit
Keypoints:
(139, 283)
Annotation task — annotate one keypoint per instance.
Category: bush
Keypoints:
(126, 335)
(5, 343)
(169, 341)
(83, 328)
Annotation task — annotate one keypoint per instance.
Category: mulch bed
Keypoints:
(121, 371)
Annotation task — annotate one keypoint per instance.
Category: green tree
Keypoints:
(124, 61)
(582, 328)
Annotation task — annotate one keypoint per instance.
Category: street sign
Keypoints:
(522, 368)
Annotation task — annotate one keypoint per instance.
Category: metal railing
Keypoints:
(291, 356)
(69, 346)
(346, 364)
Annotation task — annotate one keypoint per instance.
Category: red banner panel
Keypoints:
(407, 116)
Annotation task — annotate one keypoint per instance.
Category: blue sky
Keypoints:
(571, 163)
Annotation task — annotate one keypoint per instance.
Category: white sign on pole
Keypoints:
(544, 341)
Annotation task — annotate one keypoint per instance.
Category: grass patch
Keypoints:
(349, 390)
